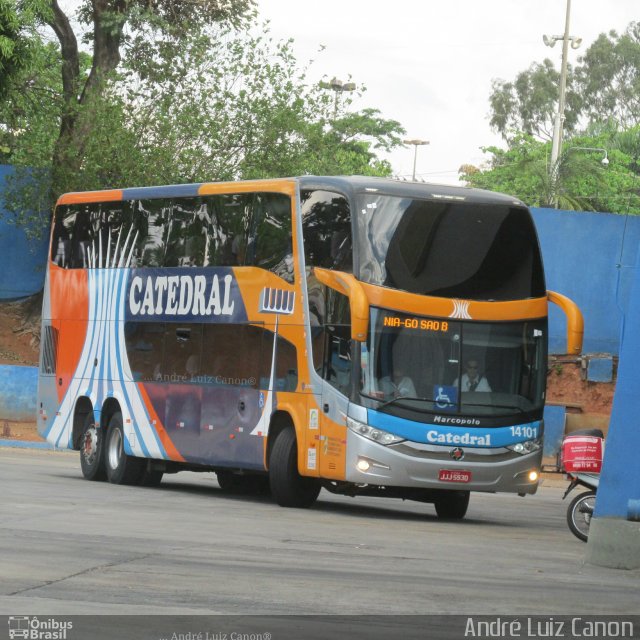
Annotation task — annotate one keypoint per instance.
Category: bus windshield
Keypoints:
(448, 248)
(440, 366)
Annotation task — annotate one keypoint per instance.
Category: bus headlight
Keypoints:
(526, 447)
(373, 433)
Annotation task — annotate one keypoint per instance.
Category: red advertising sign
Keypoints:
(582, 453)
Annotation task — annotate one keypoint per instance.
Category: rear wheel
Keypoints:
(92, 450)
(579, 514)
(452, 505)
(288, 487)
(121, 468)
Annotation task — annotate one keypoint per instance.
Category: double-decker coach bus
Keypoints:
(363, 335)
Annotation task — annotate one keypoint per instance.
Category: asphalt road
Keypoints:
(68, 546)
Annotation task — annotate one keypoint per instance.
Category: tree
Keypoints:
(579, 181)
(218, 105)
(529, 104)
(603, 86)
(15, 41)
(109, 25)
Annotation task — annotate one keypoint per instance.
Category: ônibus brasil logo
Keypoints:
(34, 628)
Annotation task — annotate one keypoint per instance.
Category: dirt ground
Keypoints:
(20, 332)
(19, 344)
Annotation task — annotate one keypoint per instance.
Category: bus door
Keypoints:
(336, 387)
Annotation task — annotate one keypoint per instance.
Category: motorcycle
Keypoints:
(581, 460)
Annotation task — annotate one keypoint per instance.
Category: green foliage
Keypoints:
(603, 86)
(217, 105)
(528, 104)
(579, 181)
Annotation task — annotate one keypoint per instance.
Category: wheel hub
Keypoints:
(90, 444)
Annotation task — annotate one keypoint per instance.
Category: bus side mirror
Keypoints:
(575, 321)
(346, 284)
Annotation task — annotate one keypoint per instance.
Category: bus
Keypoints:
(363, 335)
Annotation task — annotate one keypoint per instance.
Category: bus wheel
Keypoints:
(452, 505)
(288, 487)
(121, 468)
(92, 450)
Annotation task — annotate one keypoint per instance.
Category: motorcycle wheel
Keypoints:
(579, 514)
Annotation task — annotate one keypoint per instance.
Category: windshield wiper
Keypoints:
(431, 400)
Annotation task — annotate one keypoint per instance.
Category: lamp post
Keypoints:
(416, 143)
(550, 41)
(605, 159)
(337, 86)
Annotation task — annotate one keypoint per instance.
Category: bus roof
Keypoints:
(345, 184)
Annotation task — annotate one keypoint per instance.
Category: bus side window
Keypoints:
(326, 227)
(61, 243)
(230, 217)
(151, 218)
(271, 244)
(188, 235)
(338, 361)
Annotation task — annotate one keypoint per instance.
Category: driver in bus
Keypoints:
(398, 384)
(472, 380)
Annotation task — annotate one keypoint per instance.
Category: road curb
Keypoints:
(28, 444)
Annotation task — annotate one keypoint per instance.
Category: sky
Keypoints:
(430, 63)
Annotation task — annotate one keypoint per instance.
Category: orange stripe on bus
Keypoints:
(81, 197)
(286, 186)
(446, 307)
(156, 424)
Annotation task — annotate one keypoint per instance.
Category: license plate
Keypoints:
(451, 475)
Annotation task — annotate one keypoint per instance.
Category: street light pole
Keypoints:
(550, 41)
(337, 86)
(416, 143)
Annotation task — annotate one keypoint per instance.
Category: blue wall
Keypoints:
(590, 258)
(22, 261)
(620, 481)
(18, 387)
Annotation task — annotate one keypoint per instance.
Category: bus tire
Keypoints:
(92, 450)
(288, 487)
(121, 468)
(452, 505)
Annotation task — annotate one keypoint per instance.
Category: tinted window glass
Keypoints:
(188, 234)
(230, 217)
(326, 226)
(271, 246)
(222, 230)
(338, 330)
(145, 349)
(232, 354)
(449, 249)
(152, 220)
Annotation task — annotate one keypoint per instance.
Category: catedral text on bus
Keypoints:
(366, 336)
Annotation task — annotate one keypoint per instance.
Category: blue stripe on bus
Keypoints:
(444, 435)
(171, 191)
(123, 275)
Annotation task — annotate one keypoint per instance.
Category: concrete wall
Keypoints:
(590, 258)
(22, 261)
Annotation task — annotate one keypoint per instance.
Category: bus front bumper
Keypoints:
(412, 464)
